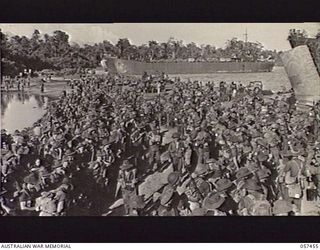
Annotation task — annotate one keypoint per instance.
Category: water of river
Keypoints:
(21, 110)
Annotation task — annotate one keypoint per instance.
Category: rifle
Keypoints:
(147, 206)
(117, 189)
(196, 187)
(188, 176)
(139, 137)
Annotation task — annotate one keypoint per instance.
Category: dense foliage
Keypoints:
(43, 51)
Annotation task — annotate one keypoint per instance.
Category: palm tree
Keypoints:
(194, 51)
(164, 50)
(153, 48)
(122, 45)
(143, 52)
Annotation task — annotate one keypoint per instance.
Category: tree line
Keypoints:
(56, 52)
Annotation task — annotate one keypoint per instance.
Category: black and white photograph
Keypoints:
(160, 119)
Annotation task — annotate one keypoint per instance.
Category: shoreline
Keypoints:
(51, 89)
(54, 89)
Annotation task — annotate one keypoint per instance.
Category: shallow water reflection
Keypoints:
(21, 110)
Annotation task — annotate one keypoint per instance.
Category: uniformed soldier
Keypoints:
(138, 144)
(294, 181)
(154, 139)
(46, 204)
(99, 170)
(201, 144)
(169, 198)
(107, 152)
(127, 181)
(253, 201)
(225, 187)
(282, 207)
(212, 203)
(25, 199)
(274, 143)
(176, 151)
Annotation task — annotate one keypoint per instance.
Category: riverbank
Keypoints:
(276, 80)
(21, 109)
(51, 89)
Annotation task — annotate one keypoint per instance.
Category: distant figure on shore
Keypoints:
(42, 87)
(28, 82)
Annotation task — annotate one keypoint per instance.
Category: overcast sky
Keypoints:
(271, 35)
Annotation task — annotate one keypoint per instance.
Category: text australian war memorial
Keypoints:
(162, 128)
